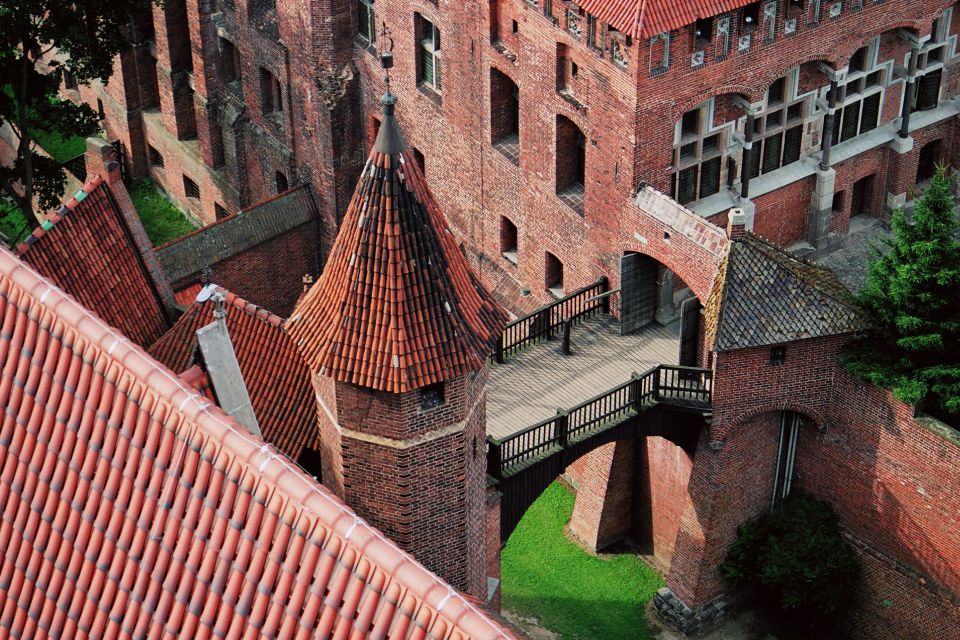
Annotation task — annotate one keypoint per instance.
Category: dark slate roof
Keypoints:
(770, 297)
(88, 250)
(187, 256)
(396, 307)
(134, 507)
(275, 375)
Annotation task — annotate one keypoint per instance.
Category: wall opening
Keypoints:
(508, 240)
(553, 275)
(570, 163)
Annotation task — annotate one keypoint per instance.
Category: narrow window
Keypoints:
(432, 396)
(229, 61)
(69, 82)
(786, 451)
(750, 17)
(778, 355)
(591, 31)
(508, 240)
(100, 113)
(429, 62)
(553, 275)
(703, 32)
(220, 211)
(570, 163)
(271, 93)
(505, 115)
(156, 160)
(367, 22)
(927, 93)
(280, 181)
(190, 188)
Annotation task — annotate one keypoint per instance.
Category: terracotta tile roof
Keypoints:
(135, 508)
(770, 297)
(645, 18)
(396, 307)
(276, 377)
(86, 248)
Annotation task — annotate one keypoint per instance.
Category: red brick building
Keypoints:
(537, 120)
(548, 132)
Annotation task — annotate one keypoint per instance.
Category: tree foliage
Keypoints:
(797, 554)
(912, 298)
(40, 41)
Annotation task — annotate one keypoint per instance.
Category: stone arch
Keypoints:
(817, 416)
(688, 271)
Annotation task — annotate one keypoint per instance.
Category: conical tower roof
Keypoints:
(397, 307)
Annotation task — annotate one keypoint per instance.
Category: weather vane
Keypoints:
(386, 54)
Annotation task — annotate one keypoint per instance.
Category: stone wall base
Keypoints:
(672, 610)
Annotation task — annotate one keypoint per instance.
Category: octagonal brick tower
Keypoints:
(397, 332)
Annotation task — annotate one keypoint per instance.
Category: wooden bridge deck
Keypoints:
(532, 385)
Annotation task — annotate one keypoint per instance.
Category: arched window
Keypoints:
(281, 182)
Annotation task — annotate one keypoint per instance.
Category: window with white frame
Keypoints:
(697, 155)
(930, 61)
(778, 130)
(367, 21)
(429, 67)
(861, 96)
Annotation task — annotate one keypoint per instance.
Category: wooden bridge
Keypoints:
(532, 442)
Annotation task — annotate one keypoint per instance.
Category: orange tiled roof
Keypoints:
(134, 507)
(645, 18)
(275, 375)
(86, 248)
(396, 307)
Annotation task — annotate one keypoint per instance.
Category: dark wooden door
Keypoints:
(638, 291)
(689, 332)
(862, 190)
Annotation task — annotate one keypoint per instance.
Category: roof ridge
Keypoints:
(89, 187)
(200, 416)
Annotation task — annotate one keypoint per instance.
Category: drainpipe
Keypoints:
(747, 161)
(829, 122)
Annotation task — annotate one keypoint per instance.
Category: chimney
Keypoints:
(101, 160)
(736, 224)
(222, 366)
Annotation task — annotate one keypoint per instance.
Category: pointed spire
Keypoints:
(389, 139)
(396, 307)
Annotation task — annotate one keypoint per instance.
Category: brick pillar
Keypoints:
(731, 481)
(493, 548)
(602, 511)
(417, 474)
(207, 80)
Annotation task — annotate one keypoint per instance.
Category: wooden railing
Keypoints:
(547, 321)
(684, 387)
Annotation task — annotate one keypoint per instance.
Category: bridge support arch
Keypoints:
(732, 481)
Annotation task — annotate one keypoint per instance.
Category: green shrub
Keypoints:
(797, 554)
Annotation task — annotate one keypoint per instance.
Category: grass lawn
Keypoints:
(13, 225)
(60, 149)
(571, 593)
(162, 221)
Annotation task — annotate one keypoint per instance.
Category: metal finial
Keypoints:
(386, 54)
(219, 312)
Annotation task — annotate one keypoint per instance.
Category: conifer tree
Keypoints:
(912, 298)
